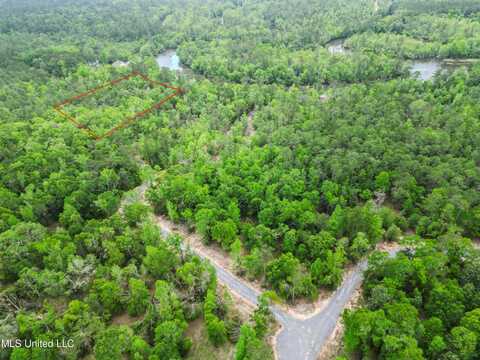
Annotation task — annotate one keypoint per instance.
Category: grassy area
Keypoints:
(202, 349)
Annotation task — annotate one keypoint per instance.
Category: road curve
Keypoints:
(298, 339)
(233, 282)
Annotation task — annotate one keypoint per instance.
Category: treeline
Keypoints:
(44, 55)
(246, 62)
(463, 7)
(96, 19)
(412, 48)
(293, 34)
(58, 36)
(422, 35)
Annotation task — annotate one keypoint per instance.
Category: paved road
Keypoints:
(303, 339)
(225, 277)
(233, 282)
(299, 339)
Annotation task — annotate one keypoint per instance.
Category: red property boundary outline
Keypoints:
(126, 121)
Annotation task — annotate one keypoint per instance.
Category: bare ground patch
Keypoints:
(125, 319)
(202, 349)
(303, 309)
(334, 344)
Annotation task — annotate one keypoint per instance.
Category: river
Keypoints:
(170, 60)
(337, 47)
(426, 69)
(421, 69)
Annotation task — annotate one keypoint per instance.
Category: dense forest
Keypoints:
(294, 159)
(424, 304)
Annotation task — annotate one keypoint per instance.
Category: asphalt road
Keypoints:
(298, 339)
(304, 339)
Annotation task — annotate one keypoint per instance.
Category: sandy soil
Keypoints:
(388, 246)
(202, 349)
(212, 252)
(250, 131)
(334, 345)
(245, 308)
(303, 309)
(125, 319)
(272, 339)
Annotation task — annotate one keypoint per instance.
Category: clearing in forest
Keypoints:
(131, 97)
